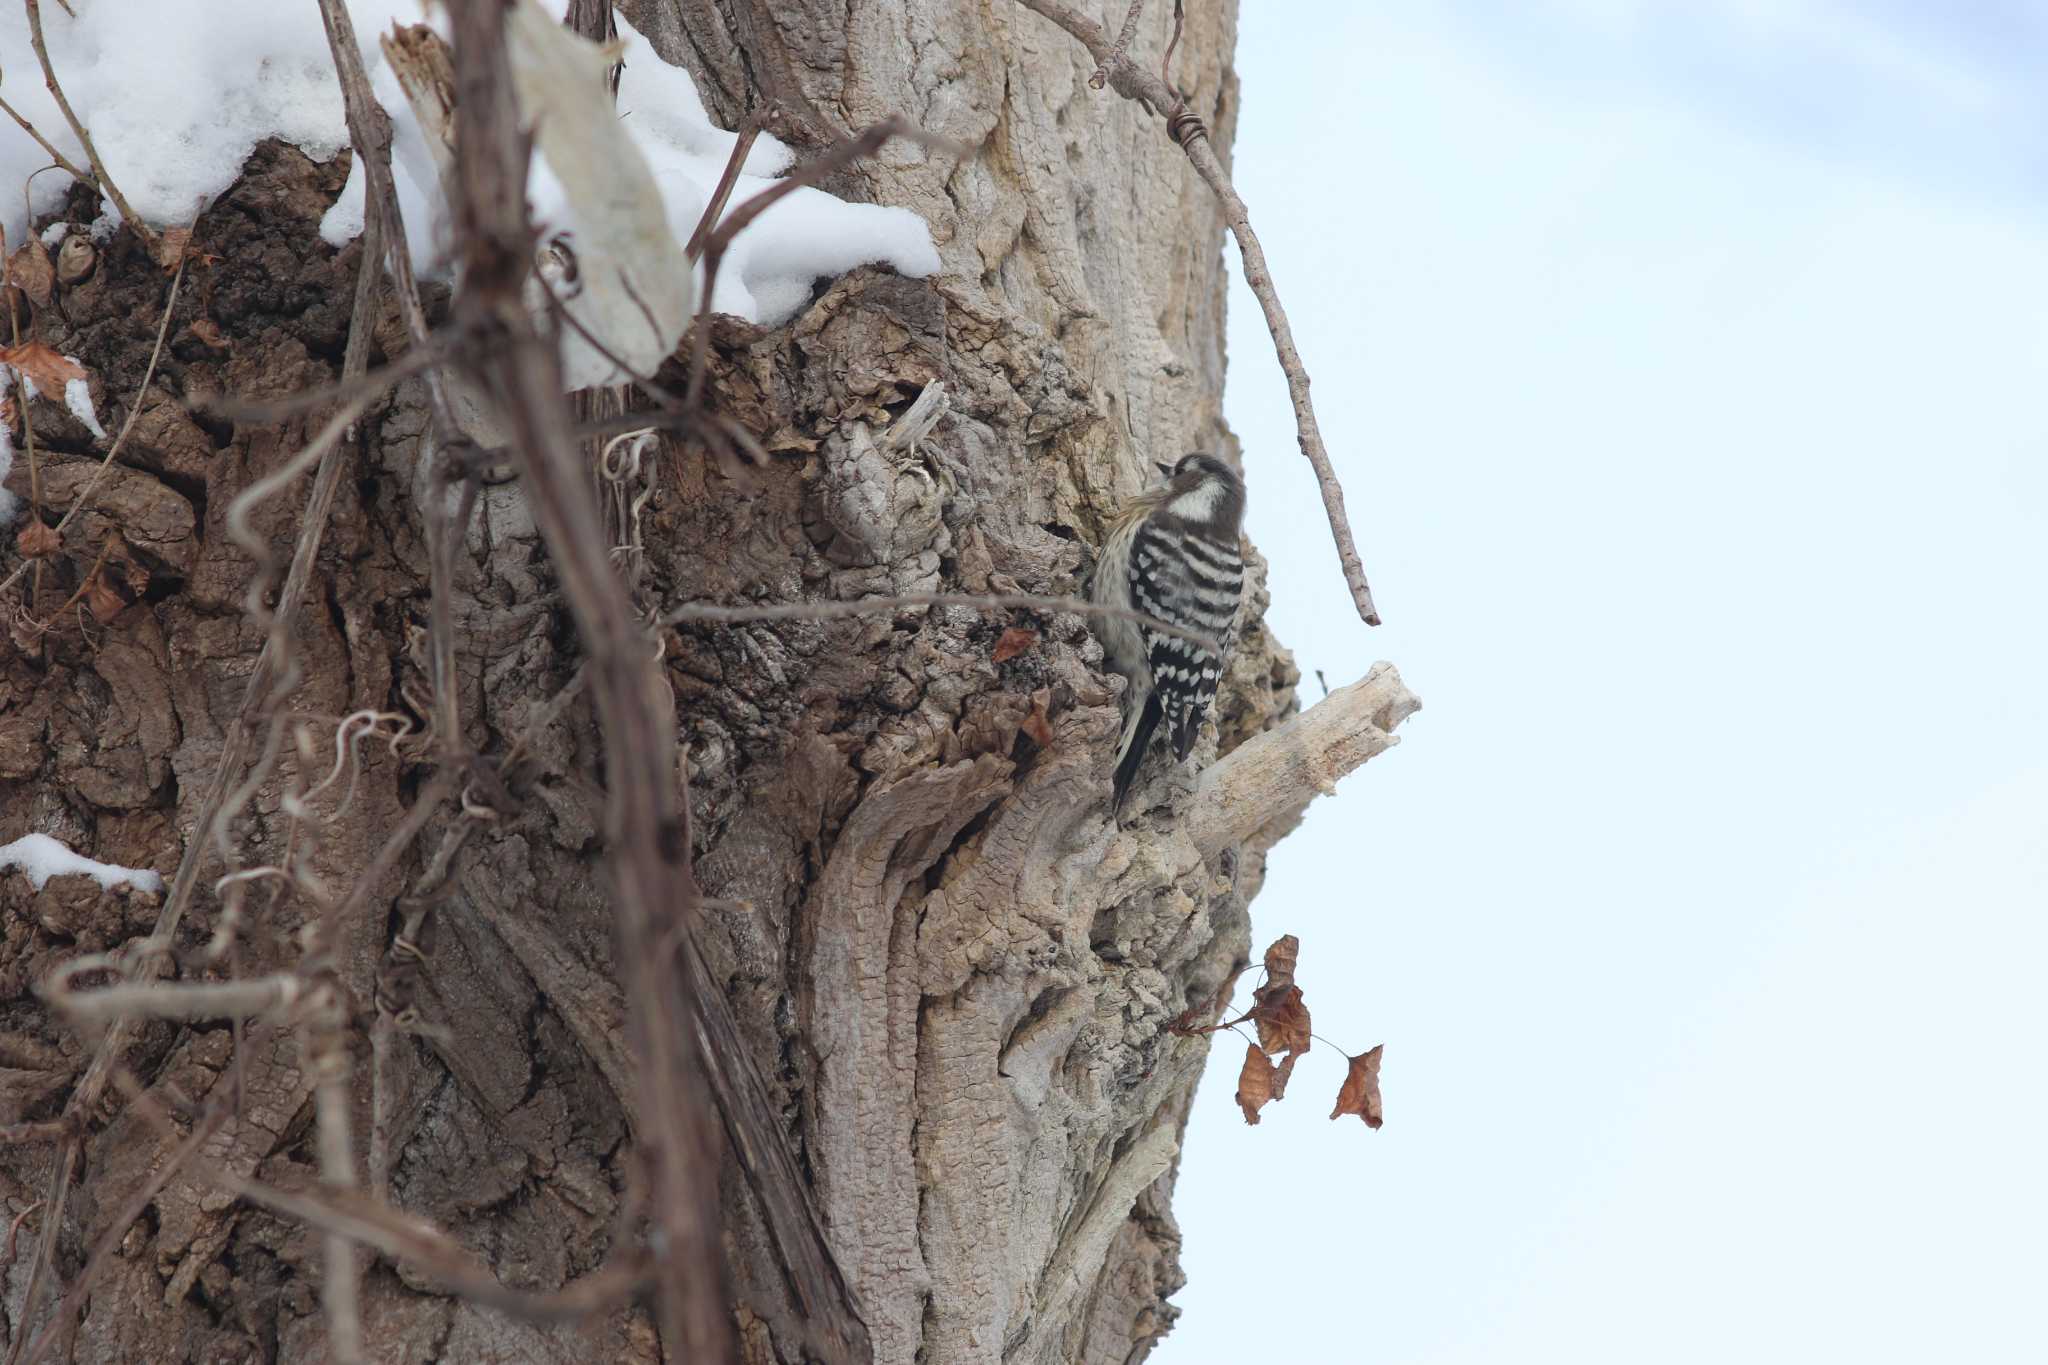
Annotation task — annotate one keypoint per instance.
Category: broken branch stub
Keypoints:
(1272, 777)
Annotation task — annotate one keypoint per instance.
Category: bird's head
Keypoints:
(1205, 489)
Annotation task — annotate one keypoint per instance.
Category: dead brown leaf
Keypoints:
(44, 368)
(172, 247)
(1277, 1007)
(1260, 1083)
(1013, 642)
(31, 271)
(1281, 1018)
(1281, 960)
(117, 583)
(209, 333)
(36, 540)
(102, 599)
(1254, 1082)
(1360, 1093)
(1037, 724)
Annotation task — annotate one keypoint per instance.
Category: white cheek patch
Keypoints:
(1198, 503)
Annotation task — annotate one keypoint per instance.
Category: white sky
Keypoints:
(1686, 366)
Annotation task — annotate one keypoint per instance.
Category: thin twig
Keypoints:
(99, 169)
(652, 389)
(1166, 63)
(36, 627)
(869, 606)
(647, 818)
(14, 1230)
(743, 144)
(869, 141)
(186, 1001)
(64, 163)
(394, 846)
(324, 443)
(1134, 83)
(265, 411)
(1123, 44)
(369, 129)
(323, 1049)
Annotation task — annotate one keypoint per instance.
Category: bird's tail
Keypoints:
(1137, 740)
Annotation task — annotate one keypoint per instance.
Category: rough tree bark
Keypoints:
(952, 968)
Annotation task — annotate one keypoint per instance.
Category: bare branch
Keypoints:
(369, 130)
(64, 163)
(159, 1000)
(1132, 82)
(132, 1208)
(99, 169)
(743, 144)
(323, 1045)
(419, 360)
(647, 825)
(1270, 778)
(323, 447)
(1123, 44)
(869, 141)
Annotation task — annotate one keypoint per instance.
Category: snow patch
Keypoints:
(78, 397)
(177, 93)
(55, 233)
(40, 857)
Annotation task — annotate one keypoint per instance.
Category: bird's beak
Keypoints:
(1165, 468)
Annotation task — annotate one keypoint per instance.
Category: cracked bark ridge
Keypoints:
(951, 969)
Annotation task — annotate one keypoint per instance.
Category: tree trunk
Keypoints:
(950, 971)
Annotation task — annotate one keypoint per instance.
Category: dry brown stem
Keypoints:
(647, 825)
(865, 144)
(99, 170)
(63, 162)
(742, 144)
(1124, 38)
(132, 1208)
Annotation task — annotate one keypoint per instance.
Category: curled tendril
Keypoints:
(624, 462)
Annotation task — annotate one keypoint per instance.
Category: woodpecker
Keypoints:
(1171, 553)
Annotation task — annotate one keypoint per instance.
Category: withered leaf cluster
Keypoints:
(1281, 1017)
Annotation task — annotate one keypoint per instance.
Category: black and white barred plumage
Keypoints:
(1172, 553)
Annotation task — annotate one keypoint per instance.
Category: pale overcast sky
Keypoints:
(1687, 366)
